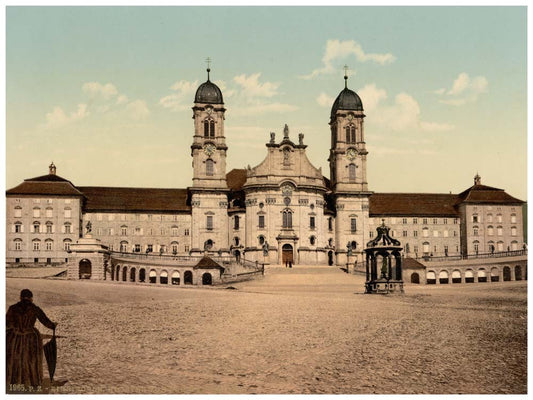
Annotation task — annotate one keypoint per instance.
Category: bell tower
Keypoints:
(347, 158)
(209, 148)
(347, 161)
(209, 191)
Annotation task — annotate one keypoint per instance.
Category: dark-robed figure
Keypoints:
(24, 346)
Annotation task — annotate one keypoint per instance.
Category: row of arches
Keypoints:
(470, 275)
(163, 277)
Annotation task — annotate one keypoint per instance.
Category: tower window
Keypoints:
(350, 134)
(209, 222)
(236, 222)
(209, 167)
(261, 221)
(209, 128)
(351, 172)
(287, 219)
(312, 222)
(353, 225)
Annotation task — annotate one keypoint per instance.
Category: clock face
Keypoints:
(351, 154)
(209, 149)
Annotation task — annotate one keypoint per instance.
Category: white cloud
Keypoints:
(324, 100)
(122, 99)
(464, 90)
(252, 88)
(95, 89)
(264, 109)
(337, 50)
(58, 118)
(371, 96)
(182, 99)
(138, 109)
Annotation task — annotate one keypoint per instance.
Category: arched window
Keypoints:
(476, 246)
(490, 230)
(489, 217)
(513, 230)
(499, 218)
(49, 227)
(123, 246)
(261, 240)
(174, 247)
(36, 245)
(350, 134)
(426, 247)
(287, 218)
(18, 227)
(209, 128)
(209, 167)
(351, 172)
(312, 240)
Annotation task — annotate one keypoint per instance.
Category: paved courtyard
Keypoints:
(304, 330)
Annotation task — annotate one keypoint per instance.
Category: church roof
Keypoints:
(50, 184)
(209, 93)
(413, 204)
(481, 194)
(409, 262)
(135, 199)
(347, 100)
(236, 178)
(208, 263)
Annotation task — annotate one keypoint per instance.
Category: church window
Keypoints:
(350, 134)
(236, 222)
(353, 225)
(18, 211)
(351, 172)
(209, 128)
(209, 222)
(287, 219)
(261, 221)
(330, 223)
(209, 167)
(312, 222)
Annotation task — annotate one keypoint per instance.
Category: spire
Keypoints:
(477, 179)
(208, 61)
(52, 169)
(345, 77)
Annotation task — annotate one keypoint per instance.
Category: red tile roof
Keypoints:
(208, 263)
(409, 262)
(45, 185)
(481, 194)
(135, 199)
(413, 204)
(236, 178)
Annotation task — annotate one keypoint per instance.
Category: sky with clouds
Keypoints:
(106, 92)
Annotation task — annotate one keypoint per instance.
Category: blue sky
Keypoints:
(106, 92)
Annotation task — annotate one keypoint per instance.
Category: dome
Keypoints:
(208, 92)
(346, 100)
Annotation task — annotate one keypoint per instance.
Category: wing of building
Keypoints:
(282, 210)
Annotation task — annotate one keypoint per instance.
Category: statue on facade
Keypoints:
(286, 132)
(272, 137)
(349, 249)
(301, 139)
(265, 249)
(88, 227)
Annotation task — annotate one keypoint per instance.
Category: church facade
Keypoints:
(282, 210)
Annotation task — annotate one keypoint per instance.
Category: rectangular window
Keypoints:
(36, 212)
(48, 246)
(111, 217)
(455, 221)
(353, 225)
(68, 213)
(66, 246)
(18, 212)
(67, 228)
(415, 233)
(435, 233)
(236, 222)
(137, 231)
(435, 221)
(371, 234)
(404, 233)
(149, 248)
(18, 228)
(186, 232)
(49, 213)
(186, 249)
(415, 220)
(261, 221)
(209, 222)
(18, 245)
(36, 246)
(330, 223)
(137, 248)
(425, 221)
(48, 228)
(312, 222)
(445, 221)
(123, 231)
(404, 221)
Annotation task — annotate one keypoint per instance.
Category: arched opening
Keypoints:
(443, 277)
(152, 276)
(431, 279)
(163, 278)
(124, 274)
(415, 278)
(517, 273)
(469, 276)
(142, 275)
(506, 274)
(287, 254)
(330, 258)
(494, 275)
(85, 269)
(175, 279)
(482, 275)
(207, 279)
(132, 275)
(187, 278)
(456, 276)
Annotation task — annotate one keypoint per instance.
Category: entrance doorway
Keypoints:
(207, 279)
(330, 258)
(287, 254)
(187, 278)
(85, 270)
